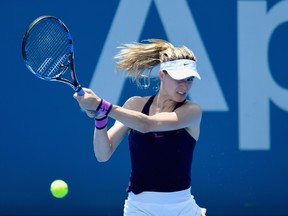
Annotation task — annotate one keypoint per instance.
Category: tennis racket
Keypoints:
(48, 51)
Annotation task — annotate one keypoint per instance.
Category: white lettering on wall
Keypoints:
(127, 27)
(256, 85)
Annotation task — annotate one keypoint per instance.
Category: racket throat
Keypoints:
(77, 88)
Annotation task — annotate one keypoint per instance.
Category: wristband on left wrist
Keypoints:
(104, 107)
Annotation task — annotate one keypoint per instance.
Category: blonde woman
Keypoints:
(162, 129)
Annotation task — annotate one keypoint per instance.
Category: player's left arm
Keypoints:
(186, 116)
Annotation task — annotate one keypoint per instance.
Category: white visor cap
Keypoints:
(180, 69)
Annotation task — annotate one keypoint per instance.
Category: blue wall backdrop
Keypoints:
(240, 162)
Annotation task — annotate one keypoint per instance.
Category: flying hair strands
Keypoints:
(136, 58)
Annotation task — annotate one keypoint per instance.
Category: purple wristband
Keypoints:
(101, 123)
(104, 107)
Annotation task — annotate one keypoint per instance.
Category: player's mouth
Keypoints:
(181, 92)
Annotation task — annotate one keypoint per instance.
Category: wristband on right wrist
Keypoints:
(101, 123)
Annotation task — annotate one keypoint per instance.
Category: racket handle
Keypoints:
(81, 92)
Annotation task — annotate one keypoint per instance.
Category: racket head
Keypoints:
(47, 48)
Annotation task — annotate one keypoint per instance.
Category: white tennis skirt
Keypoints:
(180, 203)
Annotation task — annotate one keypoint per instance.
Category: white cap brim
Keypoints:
(180, 69)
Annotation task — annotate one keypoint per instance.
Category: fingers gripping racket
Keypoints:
(48, 52)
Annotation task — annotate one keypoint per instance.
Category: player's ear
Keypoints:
(161, 74)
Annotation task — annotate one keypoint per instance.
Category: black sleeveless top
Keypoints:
(161, 161)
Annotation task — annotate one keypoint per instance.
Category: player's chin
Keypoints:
(181, 96)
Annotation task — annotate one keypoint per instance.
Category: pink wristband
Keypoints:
(104, 107)
(101, 123)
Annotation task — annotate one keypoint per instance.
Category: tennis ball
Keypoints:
(59, 188)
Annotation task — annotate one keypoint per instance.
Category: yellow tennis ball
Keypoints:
(59, 188)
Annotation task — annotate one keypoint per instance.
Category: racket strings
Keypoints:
(48, 48)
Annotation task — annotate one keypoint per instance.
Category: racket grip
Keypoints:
(81, 92)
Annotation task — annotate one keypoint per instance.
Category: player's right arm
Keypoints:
(106, 141)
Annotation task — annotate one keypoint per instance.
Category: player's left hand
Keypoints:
(89, 101)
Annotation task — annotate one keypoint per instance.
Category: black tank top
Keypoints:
(160, 161)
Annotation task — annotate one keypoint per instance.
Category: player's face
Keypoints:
(177, 89)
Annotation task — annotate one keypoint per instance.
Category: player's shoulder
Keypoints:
(136, 102)
(193, 106)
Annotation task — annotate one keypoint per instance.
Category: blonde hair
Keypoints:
(135, 58)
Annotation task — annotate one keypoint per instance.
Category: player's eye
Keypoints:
(190, 79)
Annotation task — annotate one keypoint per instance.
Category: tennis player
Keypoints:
(162, 129)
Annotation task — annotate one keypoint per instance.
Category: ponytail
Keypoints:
(135, 58)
